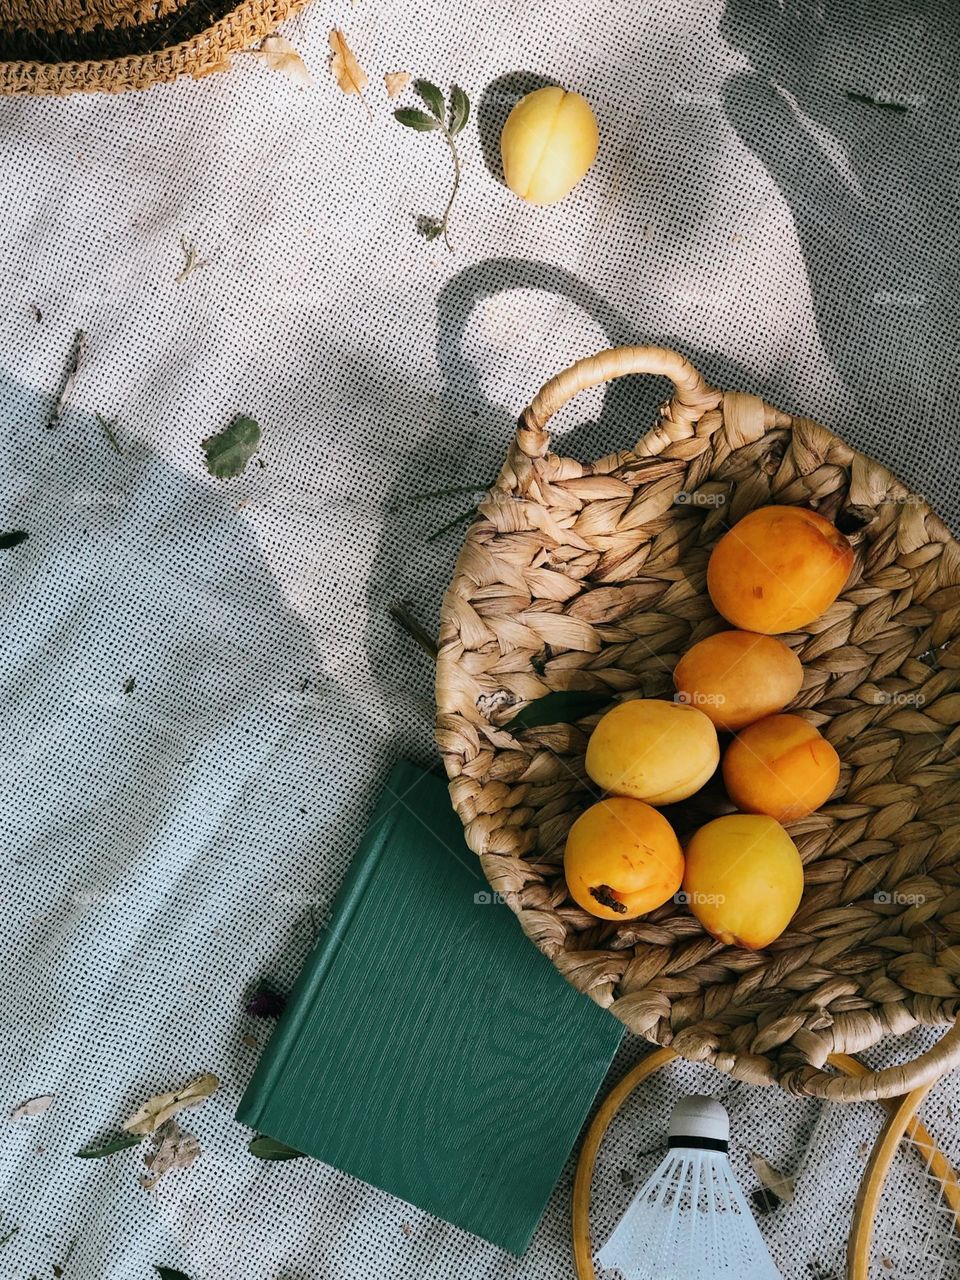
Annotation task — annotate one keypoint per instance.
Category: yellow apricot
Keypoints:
(743, 879)
(778, 569)
(780, 766)
(548, 143)
(653, 750)
(736, 677)
(622, 859)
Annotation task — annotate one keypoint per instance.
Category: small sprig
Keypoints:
(448, 120)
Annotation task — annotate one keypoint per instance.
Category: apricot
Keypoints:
(548, 143)
(622, 859)
(780, 766)
(736, 677)
(743, 879)
(778, 569)
(653, 750)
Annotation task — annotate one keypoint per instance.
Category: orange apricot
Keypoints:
(622, 859)
(743, 879)
(653, 750)
(736, 677)
(778, 569)
(780, 766)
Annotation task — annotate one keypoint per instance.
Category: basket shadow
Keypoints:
(468, 441)
(862, 174)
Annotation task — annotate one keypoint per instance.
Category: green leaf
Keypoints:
(107, 428)
(229, 451)
(563, 706)
(415, 119)
(265, 1148)
(459, 110)
(5, 1239)
(13, 538)
(429, 228)
(431, 95)
(110, 1148)
(169, 1273)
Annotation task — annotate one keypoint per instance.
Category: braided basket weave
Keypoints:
(65, 46)
(592, 577)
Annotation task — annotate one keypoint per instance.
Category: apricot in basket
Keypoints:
(622, 859)
(778, 569)
(653, 750)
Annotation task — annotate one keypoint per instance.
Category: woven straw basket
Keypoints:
(592, 577)
(65, 46)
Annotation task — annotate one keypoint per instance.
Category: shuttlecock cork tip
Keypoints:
(699, 1121)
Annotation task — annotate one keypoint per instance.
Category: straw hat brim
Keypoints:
(109, 60)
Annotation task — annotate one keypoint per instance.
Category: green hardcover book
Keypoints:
(428, 1048)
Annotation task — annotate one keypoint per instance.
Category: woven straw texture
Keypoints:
(68, 46)
(593, 578)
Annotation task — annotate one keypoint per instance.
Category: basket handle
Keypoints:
(692, 397)
(890, 1082)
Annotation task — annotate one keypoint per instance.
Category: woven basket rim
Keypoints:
(201, 53)
(699, 422)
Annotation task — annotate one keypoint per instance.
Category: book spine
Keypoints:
(317, 964)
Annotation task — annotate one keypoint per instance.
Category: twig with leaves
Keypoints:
(448, 122)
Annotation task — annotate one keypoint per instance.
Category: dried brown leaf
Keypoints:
(174, 1149)
(32, 1107)
(280, 55)
(211, 68)
(163, 1106)
(396, 82)
(349, 74)
(775, 1181)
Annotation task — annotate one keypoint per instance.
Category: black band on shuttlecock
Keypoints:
(701, 1144)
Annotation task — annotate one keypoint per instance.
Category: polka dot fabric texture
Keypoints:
(202, 684)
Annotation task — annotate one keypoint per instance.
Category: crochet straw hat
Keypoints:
(65, 46)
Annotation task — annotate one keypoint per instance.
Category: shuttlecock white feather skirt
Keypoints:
(690, 1221)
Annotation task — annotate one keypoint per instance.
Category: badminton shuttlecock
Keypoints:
(690, 1221)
